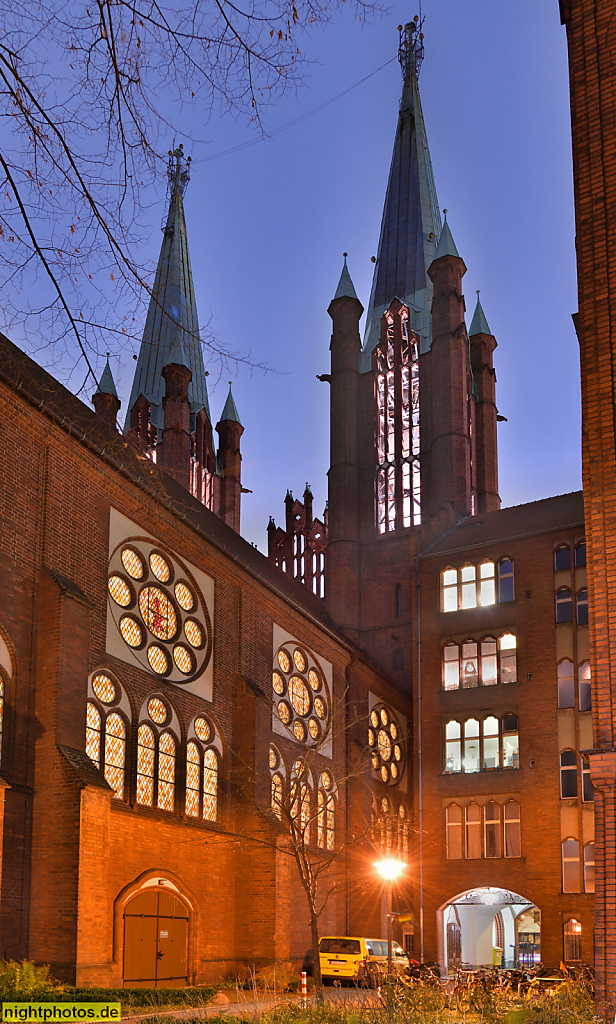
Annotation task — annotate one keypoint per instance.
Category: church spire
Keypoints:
(411, 224)
(172, 320)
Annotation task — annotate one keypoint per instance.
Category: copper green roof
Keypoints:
(479, 324)
(172, 314)
(446, 245)
(106, 385)
(411, 224)
(230, 410)
(345, 287)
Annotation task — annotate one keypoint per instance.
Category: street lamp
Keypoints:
(389, 869)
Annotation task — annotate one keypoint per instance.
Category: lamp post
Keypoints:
(389, 869)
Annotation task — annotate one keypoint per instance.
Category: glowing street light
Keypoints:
(389, 869)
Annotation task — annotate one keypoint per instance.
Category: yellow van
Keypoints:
(342, 956)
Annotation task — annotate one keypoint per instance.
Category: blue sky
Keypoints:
(268, 225)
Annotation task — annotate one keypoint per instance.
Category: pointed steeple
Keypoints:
(106, 385)
(446, 245)
(345, 287)
(479, 324)
(411, 224)
(230, 410)
(172, 313)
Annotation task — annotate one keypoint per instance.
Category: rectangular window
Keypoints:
(505, 581)
(571, 865)
(487, 585)
(468, 595)
(513, 842)
(453, 825)
(568, 774)
(470, 672)
(492, 830)
(589, 867)
(491, 752)
(451, 667)
(508, 658)
(471, 745)
(489, 668)
(584, 686)
(472, 817)
(449, 588)
(572, 940)
(588, 790)
(566, 684)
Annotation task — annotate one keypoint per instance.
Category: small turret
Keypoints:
(105, 400)
(482, 345)
(173, 453)
(230, 430)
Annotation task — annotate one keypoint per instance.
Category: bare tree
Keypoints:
(90, 95)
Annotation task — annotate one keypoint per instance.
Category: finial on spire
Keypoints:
(411, 48)
(178, 172)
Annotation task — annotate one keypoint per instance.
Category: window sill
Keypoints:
(169, 816)
(482, 771)
(484, 687)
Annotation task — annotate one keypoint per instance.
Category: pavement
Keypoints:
(251, 1006)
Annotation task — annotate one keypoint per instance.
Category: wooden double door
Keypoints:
(155, 941)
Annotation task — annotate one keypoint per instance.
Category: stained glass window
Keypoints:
(166, 771)
(93, 733)
(133, 563)
(158, 659)
(314, 680)
(330, 822)
(120, 591)
(145, 765)
(273, 758)
(115, 752)
(158, 613)
(305, 813)
(210, 785)
(184, 597)
(104, 688)
(183, 659)
(193, 777)
(386, 755)
(299, 730)
(298, 693)
(131, 631)
(278, 683)
(157, 710)
(314, 728)
(326, 780)
(284, 661)
(384, 744)
(193, 633)
(284, 712)
(202, 729)
(374, 718)
(277, 795)
(321, 820)
(160, 567)
(319, 707)
(299, 660)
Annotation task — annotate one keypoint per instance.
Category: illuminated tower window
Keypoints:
(398, 482)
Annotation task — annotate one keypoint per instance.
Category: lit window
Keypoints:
(321, 820)
(145, 765)
(403, 832)
(468, 587)
(589, 867)
(581, 608)
(453, 747)
(201, 780)
(193, 779)
(305, 813)
(386, 744)
(451, 667)
(104, 688)
(588, 790)
(166, 771)
(505, 581)
(453, 822)
(115, 752)
(276, 801)
(487, 584)
(330, 822)
(562, 558)
(580, 555)
(491, 755)
(470, 668)
(492, 830)
(449, 589)
(472, 820)
(572, 937)
(566, 684)
(568, 774)
(584, 691)
(513, 842)
(297, 679)
(93, 734)
(564, 605)
(571, 865)
(489, 662)
(508, 660)
(471, 745)
(511, 742)
(210, 785)
(474, 746)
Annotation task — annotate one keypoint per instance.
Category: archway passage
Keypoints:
(486, 926)
(155, 941)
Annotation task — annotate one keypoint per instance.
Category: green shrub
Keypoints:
(23, 981)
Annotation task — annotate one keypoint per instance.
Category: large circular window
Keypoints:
(159, 611)
(385, 744)
(301, 699)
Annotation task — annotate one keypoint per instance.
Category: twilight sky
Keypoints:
(267, 227)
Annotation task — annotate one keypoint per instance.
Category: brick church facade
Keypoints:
(409, 675)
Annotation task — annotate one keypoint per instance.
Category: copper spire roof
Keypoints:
(172, 314)
(411, 224)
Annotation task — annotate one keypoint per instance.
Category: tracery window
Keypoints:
(300, 799)
(106, 732)
(386, 744)
(301, 694)
(482, 745)
(398, 476)
(489, 831)
(571, 865)
(474, 586)
(202, 772)
(159, 612)
(277, 771)
(483, 663)
(326, 812)
(156, 759)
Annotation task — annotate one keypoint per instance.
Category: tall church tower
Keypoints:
(168, 412)
(413, 414)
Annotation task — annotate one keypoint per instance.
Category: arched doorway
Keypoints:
(155, 940)
(488, 926)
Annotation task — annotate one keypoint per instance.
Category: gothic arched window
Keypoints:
(156, 759)
(201, 772)
(398, 477)
(326, 813)
(106, 731)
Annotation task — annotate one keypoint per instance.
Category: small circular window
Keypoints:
(131, 631)
(160, 567)
(184, 597)
(133, 563)
(158, 660)
(183, 659)
(157, 710)
(104, 688)
(202, 729)
(120, 591)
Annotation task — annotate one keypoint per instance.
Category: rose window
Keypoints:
(159, 611)
(301, 698)
(385, 745)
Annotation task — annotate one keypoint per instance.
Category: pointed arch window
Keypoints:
(571, 865)
(201, 772)
(156, 759)
(492, 830)
(572, 940)
(568, 774)
(472, 818)
(589, 867)
(566, 684)
(398, 476)
(453, 826)
(106, 736)
(326, 813)
(584, 691)
(276, 796)
(564, 604)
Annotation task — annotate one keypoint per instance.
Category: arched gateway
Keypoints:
(488, 926)
(155, 940)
